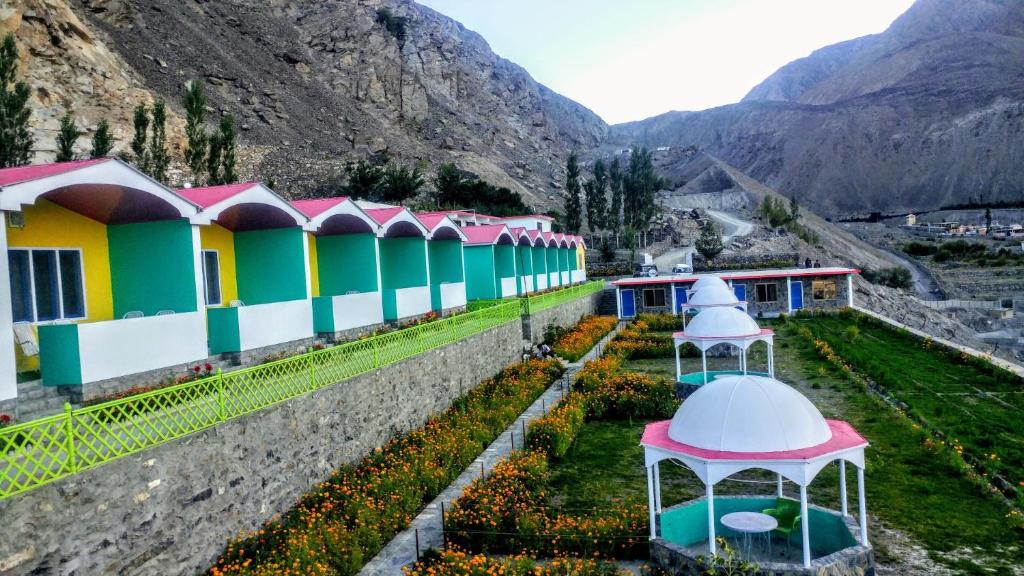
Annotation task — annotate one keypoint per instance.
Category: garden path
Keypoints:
(402, 549)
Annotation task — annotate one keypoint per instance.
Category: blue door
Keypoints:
(740, 290)
(796, 295)
(680, 297)
(628, 303)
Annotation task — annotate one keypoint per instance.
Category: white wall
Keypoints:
(275, 323)
(453, 295)
(357, 310)
(412, 301)
(542, 282)
(508, 286)
(115, 348)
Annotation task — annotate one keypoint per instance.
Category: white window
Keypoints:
(211, 277)
(46, 284)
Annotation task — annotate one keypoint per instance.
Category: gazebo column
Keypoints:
(743, 360)
(704, 363)
(650, 502)
(771, 360)
(679, 370)
(657, 486)
(805, 526)
(778, 490)
(842, 488)
(712, 545)
(862, 508)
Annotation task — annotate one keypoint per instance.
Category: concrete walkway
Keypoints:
(401, 550)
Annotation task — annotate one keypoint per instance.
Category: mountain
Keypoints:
(313, 84)
(928, 113)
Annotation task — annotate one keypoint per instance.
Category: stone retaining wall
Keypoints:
(563, 315)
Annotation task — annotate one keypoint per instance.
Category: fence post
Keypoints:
(69, 439)
(376, 353)
(312, 371)
(220, 395)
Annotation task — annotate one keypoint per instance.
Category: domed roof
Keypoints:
(748, 414)
(724, 322)
(714, 295)
(709, 282)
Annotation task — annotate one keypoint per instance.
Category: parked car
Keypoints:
(682, 269)
(649, 270)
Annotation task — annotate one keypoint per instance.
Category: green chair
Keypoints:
(787, 513)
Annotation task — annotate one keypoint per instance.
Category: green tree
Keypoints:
(194, 102)
(639, 186)
(596, 189)
(102, 141)
(448, 182)
(709, 244)
(228, 175)
(66, 138)
(614, 218)
(364, 179)
(140, 154)
(573, 204)
(400, 183)
(159, 158)
(213, 160)
(988, 219)
(794, 209)
(15, 137)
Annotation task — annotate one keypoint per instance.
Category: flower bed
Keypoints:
(458, 563)
(577, 341)
(346, 520)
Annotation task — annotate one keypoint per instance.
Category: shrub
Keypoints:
(458, 563)
(554, 433)
(578, 340)
(895, 277)
(661, 322)
(851, 333)
(632, 395)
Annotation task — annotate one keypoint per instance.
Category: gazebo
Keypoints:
(712, 296)
(751, 422)
(721, 325)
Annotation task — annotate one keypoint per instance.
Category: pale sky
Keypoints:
(631, 59)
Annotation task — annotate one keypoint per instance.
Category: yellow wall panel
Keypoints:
(314, 268)
(214, 237)
(47, 225)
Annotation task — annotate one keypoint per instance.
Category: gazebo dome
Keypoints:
(748, 414)
(725, 322)
(708, 282)
(714, 295)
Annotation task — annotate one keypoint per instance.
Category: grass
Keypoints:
(912, 487)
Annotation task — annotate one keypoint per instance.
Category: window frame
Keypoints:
(56, 250)
(767, 285)
(664, 299)
(835, 288)
(220, 284)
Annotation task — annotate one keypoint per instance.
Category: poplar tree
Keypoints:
(227, 150)
(596, 189)
(102, 141)
(613, 221)
(194, 102)
(140, 155)
(15, 137)
(159, 159)
(573, 205)
(213, 149)
(66, 138)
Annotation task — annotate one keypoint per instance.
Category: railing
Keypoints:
(534, 304)
(39, 452)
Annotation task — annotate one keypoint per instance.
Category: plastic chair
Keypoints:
(165, 313)
(236, 303)
(787, 513)
(133, 314)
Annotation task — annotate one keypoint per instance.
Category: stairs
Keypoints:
(608, 304)
(37, 401)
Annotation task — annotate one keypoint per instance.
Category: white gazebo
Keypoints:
(707, 282)
(713, 296)
(751, 422)
(723, 325)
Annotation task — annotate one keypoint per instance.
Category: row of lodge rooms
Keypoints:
(115, 280)
(762, 293)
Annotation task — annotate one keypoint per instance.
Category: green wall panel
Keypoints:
(552, 257)
(480, 273)
(59, 361)
(524, 265)
(222, 326)
(152, 267)
(445, 266)
(347, 263)
(403, 262)
(270, 266)
(323, 314)
(540, 262)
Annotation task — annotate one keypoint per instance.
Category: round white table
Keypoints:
(750, 524)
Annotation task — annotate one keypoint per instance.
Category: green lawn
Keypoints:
(911, 487)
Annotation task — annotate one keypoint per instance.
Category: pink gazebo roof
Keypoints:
(844, 437)
(19, 174)
(317, 206)
(759, 334)
(486, 234)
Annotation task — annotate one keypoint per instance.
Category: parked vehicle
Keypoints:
(682, 269)
(648, 270)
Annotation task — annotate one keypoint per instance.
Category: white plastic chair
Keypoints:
(165, 313)
(133, 314)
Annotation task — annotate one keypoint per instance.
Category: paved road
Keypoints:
(925, 285)
(732, 227)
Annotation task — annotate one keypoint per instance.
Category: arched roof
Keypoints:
(396, 221)
(243, 206)
(537, 239)
(489, 234)
(441, 226)
(550, 240)
(522, 236)
(750, 414)
(332, 216)
(104, 189)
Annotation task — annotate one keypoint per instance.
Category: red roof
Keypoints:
(207, 196)
(383, 215)
(486, 234)
(739, 275)
(844, 437)
(317, 206)
(19, 174)
(431, 219)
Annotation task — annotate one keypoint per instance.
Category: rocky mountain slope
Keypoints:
(313, 84)
(928, 113)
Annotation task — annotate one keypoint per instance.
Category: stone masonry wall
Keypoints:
(171, 509)
(565, 315)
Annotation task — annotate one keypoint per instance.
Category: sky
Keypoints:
(629, 60)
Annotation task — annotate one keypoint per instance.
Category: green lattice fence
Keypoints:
(36, 453)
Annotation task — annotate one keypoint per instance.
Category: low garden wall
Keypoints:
(564, 315)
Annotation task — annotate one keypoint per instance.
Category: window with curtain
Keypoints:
(46, 284)
(211, 277)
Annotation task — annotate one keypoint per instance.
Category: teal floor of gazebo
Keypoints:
(697, 378)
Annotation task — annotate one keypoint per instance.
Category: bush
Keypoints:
(660, 322)
(574, 343)
(554, 433)
(920, 248)
(632, 395)
(895, 277)
(458, 563)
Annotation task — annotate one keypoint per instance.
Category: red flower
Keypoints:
(196, 369)
(5, 419)
(209, 367)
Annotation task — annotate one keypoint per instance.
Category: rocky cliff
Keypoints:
(312, 84)
(928, 113)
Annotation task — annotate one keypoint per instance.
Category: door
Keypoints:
(740, 290)
(796, 295)
(680, 297)
(628, 303)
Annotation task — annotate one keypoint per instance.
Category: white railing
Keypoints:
(115, 348)
(275, 323)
